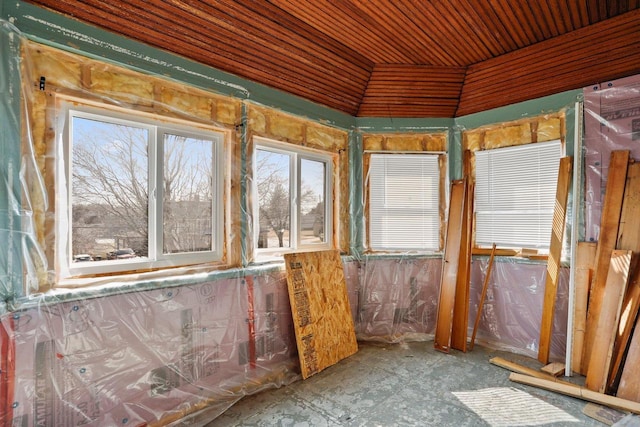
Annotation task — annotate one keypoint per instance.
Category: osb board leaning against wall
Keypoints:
(322, 319)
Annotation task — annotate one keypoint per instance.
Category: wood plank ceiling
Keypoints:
(400, 58)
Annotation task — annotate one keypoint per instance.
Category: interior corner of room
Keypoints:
(261, 213)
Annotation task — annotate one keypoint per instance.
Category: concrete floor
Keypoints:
(396, 385)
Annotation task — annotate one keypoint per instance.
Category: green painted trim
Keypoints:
(381, 124)
(535, 107)
(356, 184)
(11, 268)
(62, 32)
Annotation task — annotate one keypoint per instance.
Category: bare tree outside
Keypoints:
(273, 182)
(110, 191)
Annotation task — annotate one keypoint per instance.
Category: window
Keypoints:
(293, 188)
(404, 200)
(515, 195)
(141, 193)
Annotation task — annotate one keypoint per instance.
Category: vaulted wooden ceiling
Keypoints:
(394, 58)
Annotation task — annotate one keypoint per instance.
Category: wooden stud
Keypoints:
(609, 224)
(577, 392)
(446, 300)
(322, 319)
(553, 263)
(515, 367)
(585, 257)
(485, 285)
(604, 334)
(499, 252)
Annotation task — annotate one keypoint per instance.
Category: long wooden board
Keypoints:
(577, 392)
(628, 238)
(607, 240)
(585, 257)
(446, 299)
(611, 304)
(460, 325)
(483, 295)
(322, 319)
(553, 262)
(629, 387)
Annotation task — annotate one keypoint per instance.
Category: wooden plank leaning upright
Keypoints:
(446, 300)
(609, 224)
(553, 262)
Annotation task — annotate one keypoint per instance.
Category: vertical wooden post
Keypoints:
(553, 262)
(446, 300)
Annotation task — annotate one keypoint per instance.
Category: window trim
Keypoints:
(297, 154)
(157, 127)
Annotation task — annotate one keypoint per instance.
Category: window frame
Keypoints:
(157, 126)
(296, 155)
(542, 237)
(442, 190)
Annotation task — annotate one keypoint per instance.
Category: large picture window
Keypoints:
(142, 193)
(515, 195)
(293, 188)
(404, 200)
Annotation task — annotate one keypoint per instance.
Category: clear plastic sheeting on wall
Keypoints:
(398, 301)
(612, 122)
(150, 357)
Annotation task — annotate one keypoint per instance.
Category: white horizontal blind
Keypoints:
(403, 202)
(515, 195)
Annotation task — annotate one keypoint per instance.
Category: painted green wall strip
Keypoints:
(382, 124)
(11, 280)
(57, 30)
(356, 208)
(548, 104)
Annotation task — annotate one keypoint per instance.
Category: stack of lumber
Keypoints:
(606, 345)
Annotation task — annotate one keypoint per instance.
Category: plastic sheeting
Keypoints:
(612, 122)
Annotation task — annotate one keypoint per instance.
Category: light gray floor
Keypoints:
(392, 385)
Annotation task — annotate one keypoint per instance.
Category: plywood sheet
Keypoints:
(604, 334)
(320, 306)
(555, 253)
(609, 224)
(446, 300)
(585, 257)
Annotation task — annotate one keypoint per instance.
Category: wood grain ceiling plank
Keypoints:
(496, 24)
(541, 11)
(459, 35)
(506, 15)
(434, 30)
(479, 27)
(202, 52)
(257, 62)
(325, 65)
(524, 21)
(346, 26)
(397, 28)
(561, 16)
(577, 11)
(278, 24)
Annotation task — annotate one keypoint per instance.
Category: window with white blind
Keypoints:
(404, 199)
(515, 195)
